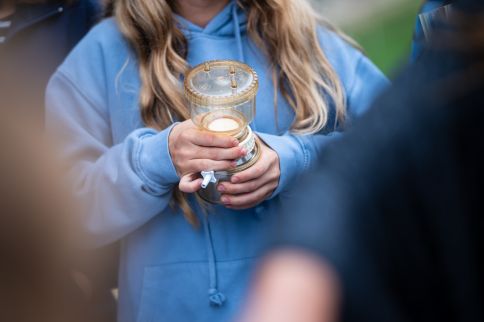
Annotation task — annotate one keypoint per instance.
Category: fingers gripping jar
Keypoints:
(221, 96)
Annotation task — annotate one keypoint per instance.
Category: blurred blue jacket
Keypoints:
(418, 37)
(124, 174)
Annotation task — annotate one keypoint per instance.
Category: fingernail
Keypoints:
(221, 188)
(225, 200)
(233, 164)
(235, 142)
(235, 179)
(243, 151)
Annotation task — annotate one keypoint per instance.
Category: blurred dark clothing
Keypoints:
(427, 9)
(5, 24)
(38, 40)
(397, 205)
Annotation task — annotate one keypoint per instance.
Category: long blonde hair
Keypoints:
(286, 29)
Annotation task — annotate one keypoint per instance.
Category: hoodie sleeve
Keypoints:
(120, 187)
(297, 153)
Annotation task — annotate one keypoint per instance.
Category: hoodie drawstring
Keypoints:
(238, 37)
(215, 297)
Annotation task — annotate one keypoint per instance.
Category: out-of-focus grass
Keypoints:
(387, 39)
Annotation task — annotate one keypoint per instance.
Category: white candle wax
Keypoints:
(223, 124)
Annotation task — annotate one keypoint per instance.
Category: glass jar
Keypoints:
(221, 96)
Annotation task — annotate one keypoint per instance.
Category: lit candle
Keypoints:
(223, 124)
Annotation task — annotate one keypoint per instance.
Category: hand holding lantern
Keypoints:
(253, 185)
(193, 150)
(221, 95)
(246, 189)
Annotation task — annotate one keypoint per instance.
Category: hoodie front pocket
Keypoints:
(180, 292)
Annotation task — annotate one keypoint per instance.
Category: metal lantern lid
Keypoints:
(221, 83)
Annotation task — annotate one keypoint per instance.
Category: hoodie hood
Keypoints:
(223, 25)
(227, 26)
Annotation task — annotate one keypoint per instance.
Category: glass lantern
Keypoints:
(221, 96)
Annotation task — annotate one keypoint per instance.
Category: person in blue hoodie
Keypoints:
(117, 107)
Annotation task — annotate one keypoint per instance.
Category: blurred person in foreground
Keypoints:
(37, 280)
(35, 37)
(389, 227)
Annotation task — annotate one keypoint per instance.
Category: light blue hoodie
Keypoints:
(124, 175)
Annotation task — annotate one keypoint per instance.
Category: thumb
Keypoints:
(190, 183)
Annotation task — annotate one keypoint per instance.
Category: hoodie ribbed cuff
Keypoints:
(156, 167)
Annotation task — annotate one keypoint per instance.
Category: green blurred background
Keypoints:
(387, 39)
(384, 28)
